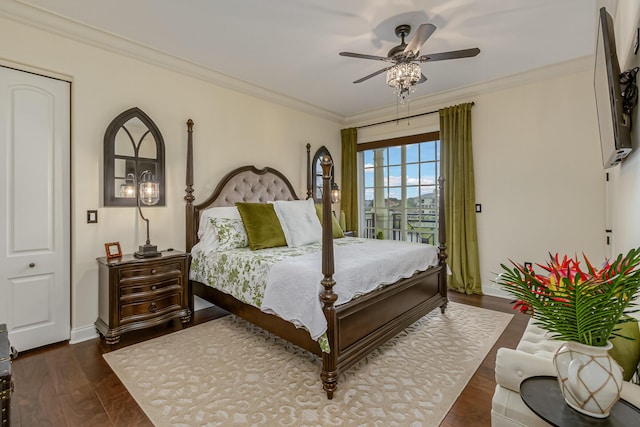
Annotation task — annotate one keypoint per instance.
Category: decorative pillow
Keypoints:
(626, 351)
(262, 225)
(230, 233)
(299, 222)
(337, 230)
(206, 233)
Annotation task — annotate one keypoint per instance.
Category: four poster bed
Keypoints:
(354, 328)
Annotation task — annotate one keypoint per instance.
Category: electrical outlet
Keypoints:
(478, 207)
(528, 266)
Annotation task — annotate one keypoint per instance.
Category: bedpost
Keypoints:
(327, 296)
(309, 180)
(442, 244)
(189, 197)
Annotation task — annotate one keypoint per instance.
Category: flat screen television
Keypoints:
(615, 125)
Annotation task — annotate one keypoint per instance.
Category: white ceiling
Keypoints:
(291, 46)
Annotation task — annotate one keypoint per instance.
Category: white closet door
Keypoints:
(34, 208)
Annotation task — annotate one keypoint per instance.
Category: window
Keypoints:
(400, 188)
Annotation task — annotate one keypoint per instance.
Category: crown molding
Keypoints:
(439, 100)
(74, 30)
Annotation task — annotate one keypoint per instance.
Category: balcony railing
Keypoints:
(419, 228)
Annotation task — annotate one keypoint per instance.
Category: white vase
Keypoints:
(590, 380)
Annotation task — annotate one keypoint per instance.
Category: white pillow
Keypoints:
(206, 233)
(299, 222)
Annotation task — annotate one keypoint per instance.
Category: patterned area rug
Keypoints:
(228, 372)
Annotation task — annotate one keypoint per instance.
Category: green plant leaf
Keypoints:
(575, 304)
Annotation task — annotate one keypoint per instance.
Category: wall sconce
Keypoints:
(149, 194)
(335, 193)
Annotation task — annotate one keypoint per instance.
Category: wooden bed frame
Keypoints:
(354, 329)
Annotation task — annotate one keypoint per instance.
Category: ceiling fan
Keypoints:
(405, 71)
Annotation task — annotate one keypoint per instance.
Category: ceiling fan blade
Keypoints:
(364, 56)
(454, 54)
(421, 35)
(423, 79)
(372, 75)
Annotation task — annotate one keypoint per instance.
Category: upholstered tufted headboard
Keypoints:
(244, 184)
(249, 184)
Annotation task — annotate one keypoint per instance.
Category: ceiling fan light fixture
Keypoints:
(403, 78)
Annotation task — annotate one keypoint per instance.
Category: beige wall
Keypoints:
(231, 129)
(539, 173)
(538, 170)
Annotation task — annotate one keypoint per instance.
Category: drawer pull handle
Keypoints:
(154, 271)
(154, 287)
(32, 264)
(153, 307)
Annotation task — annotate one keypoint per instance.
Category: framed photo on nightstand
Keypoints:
(113, 250)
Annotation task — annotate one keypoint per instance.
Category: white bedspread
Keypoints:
(293, 285)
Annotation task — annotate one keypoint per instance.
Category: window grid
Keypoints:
(401, 192)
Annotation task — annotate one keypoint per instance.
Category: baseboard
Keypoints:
(495, 292)
(83, 334)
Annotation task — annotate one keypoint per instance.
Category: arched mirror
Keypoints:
(316, 173)
(132, 145)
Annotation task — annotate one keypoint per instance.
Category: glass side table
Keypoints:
(543, 396)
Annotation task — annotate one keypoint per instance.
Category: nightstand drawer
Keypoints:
(138, 310)
(149, 290)
(141, 272)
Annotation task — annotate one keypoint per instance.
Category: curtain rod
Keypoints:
(408, 117)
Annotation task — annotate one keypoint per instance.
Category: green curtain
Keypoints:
(459, 199)
(349, 197)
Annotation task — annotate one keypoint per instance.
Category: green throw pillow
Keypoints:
(626, 351)
(337, 230)
(262, 225)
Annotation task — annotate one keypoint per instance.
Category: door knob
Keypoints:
(32, 264)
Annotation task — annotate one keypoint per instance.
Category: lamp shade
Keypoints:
(148, 189)
(335, 193)
(128, 187)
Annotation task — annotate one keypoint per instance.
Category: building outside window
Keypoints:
(399, 190)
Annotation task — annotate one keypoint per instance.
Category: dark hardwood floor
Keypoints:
(71, 385)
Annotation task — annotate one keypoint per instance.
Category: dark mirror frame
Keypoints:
(316, 172)
(139, 163)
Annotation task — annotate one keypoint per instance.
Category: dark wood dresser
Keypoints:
(6, 383)
(137, 293)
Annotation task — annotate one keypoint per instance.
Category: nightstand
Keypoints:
(137, 293)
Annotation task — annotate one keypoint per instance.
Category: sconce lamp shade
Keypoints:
(335, 193)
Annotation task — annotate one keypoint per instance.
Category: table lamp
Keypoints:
(149, 194)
